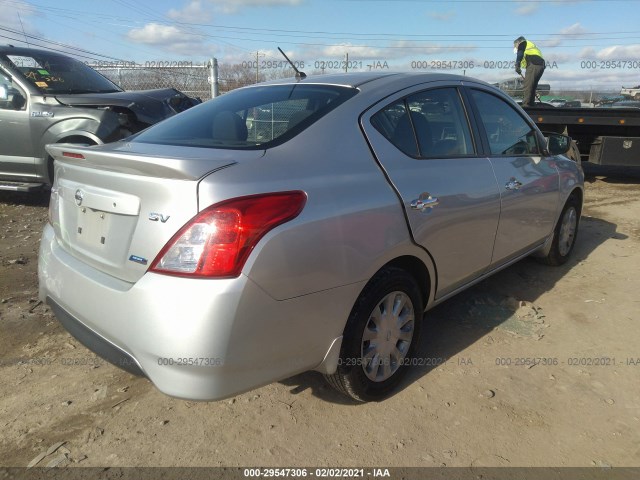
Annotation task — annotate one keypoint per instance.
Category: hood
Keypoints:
(149, 106)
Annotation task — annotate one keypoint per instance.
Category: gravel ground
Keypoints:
(476, 401)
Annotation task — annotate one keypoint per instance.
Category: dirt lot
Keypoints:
(479, 402)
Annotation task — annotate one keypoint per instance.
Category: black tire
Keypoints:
(574, 153)
(355, 369)
(565, 233)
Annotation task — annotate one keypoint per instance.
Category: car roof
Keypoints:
(363, 80)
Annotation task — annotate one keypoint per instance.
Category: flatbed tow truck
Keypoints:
(604, 136)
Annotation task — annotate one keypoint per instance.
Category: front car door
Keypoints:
(528, 180)
(16, 148)
(427, 148)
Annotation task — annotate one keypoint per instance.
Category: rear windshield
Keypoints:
(55, 74)
(251, 118)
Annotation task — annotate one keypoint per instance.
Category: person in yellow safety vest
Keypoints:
(529, 57)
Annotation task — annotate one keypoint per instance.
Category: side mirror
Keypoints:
(558, 144)
(4, 92)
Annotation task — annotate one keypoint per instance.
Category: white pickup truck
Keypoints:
(633, 92)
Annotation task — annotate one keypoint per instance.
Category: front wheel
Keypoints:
(380, 337)
(565, 233)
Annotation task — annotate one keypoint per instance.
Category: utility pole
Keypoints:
(213, 65)
(346, 63)
(257, 62)
(258, 54)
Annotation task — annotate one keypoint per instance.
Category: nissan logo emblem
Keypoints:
(79, 196)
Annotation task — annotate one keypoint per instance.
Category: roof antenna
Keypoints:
(23, 32)
(299, 75)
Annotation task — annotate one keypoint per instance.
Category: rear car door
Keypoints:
(528, 179)
(426, 146)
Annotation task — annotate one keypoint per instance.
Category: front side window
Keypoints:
(508, 133)
(12, 96)
(249, 118)
(429, 124)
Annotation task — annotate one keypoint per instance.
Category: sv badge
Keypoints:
(154, 217)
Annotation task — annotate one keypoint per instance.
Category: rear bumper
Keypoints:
(194, 339)
(95, 342)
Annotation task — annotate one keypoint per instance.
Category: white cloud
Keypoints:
(573, 30)
(193, 12)
(581, 79)
(354, 51)
(170, 38)
(620, 52)
(155, 34)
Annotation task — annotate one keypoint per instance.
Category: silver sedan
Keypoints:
(299, 225)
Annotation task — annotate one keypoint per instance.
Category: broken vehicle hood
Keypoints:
(149, 106)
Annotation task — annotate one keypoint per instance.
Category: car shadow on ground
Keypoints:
(611, 174)
(461, 321)
(34, 199)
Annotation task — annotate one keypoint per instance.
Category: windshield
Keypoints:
(251, 118)
(57, 74)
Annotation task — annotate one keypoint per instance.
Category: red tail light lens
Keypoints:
(217, 241)
(73, 155)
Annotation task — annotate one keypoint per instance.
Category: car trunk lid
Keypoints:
(115, 207)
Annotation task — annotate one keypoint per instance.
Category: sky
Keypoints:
(588, 44)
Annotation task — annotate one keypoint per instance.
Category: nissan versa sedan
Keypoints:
(299, 225)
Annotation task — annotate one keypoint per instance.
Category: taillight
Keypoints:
(73, 155)
(217, 241)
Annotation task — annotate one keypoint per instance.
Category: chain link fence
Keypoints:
(192, 80)
(207, 80)
(204, 80)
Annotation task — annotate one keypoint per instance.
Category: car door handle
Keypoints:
(424, 201)
(513, 184)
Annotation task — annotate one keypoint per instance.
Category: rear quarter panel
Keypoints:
(352, 223)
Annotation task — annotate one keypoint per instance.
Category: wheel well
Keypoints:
(579, 196)
(417, 270)
(71, 139)
(77, 139)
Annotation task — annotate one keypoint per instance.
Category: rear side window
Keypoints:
(429, 124)
(508, 133)
(252, 118)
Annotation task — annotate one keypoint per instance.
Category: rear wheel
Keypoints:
(565, 233)
(380, 337)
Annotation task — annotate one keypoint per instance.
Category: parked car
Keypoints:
(214, 258)
(48, 97)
